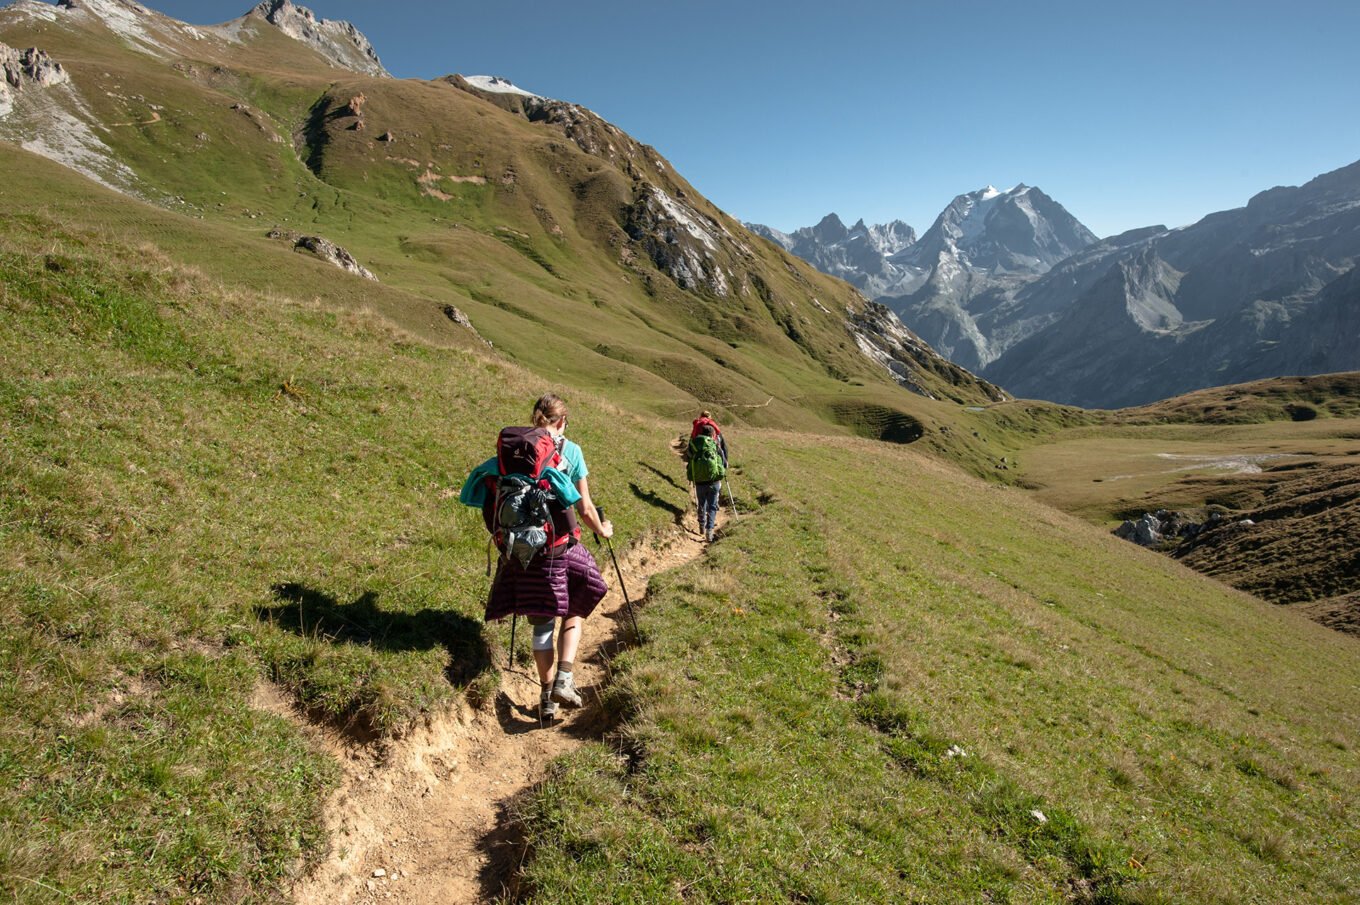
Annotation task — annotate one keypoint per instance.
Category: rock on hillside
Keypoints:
(324, 249)
(31, 68)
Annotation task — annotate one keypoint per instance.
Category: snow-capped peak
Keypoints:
(496, 84)
(989, 192)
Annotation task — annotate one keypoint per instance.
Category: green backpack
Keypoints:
(705, 462)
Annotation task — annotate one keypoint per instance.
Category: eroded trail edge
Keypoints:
(425, 818)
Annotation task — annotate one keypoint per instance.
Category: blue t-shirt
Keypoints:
(573, 462)
(475, 490)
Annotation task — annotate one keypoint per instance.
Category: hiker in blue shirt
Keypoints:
(562, 582)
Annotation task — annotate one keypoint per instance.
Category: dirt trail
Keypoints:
(430, 811)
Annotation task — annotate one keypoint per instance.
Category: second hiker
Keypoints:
(706, 468)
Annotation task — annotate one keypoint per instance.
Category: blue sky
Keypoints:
(1128, 114)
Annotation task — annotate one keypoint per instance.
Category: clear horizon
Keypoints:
(781, 113)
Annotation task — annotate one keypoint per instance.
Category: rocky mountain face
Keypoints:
(1263, 290)
(956, 285)
(339, 42)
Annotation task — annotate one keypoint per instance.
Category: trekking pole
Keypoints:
(731, 499)
(599, 513)
(510, 660)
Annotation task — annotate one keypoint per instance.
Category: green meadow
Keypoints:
(956, 695)
(869, 689)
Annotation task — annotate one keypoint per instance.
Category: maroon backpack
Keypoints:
(522, 512)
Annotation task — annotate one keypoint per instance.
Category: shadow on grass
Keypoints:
(316, 614)
(665, 477)
(653, 499)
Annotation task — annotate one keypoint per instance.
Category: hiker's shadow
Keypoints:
(315, 614)
(651, 498)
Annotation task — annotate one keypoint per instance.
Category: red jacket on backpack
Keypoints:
(700, 422)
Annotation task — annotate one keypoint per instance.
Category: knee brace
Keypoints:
(543, 634)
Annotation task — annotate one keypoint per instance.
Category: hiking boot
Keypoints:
(547, 707)
(564, 691)
(709, 536)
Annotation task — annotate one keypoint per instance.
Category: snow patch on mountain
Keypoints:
(497, 85)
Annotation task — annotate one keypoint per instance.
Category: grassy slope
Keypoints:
(204, 486)
(208, 484)
(1296, 439)
(793, 719)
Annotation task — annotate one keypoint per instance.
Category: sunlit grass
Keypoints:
(206, 489)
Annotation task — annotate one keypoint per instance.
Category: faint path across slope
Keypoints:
(426, 820)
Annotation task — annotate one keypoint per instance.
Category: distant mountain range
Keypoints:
(1010, 285)
(981, 248)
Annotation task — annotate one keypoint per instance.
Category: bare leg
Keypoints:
(569, 639)
(543, 659)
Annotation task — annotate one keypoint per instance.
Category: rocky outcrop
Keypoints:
(26, 69)
(882, 337)
(324, 249)
(340, 42)
(30, 67)
(679, 240)
(1165, 528)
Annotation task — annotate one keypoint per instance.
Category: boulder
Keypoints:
(324, 249)
(1146, 531)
